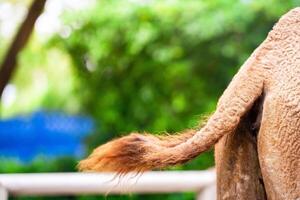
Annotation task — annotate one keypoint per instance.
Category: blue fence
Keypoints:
(49, 134)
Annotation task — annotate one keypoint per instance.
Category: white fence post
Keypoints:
(3, 193)
(51, 184)
(207, 193)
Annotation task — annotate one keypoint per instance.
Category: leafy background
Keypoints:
(150, 66)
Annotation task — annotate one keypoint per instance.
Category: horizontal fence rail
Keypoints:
(37, 184)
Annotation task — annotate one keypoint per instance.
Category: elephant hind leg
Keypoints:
(238, 170)
(279, 145)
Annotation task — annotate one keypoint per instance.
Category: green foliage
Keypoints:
(43, 80)
(41, 164)
(181, 196)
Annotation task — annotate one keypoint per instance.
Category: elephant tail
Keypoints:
(135, 152)
(142, 152)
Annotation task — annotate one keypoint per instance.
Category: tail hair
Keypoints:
(135, 153)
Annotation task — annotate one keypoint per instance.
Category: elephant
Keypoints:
(255, 127)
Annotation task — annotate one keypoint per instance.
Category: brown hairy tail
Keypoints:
(142, 152)
(132, 152)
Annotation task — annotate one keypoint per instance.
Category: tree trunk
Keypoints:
(8, 65)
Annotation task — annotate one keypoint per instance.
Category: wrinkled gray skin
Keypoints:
(273, 73)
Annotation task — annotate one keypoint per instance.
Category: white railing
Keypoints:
(46, 184)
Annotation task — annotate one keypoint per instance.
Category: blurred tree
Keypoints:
(9, 63)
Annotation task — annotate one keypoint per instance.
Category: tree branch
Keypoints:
(8, 65)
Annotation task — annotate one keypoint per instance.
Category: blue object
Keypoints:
(50, 134)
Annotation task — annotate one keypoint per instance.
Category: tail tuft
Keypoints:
(136, 152)
(122, 155)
